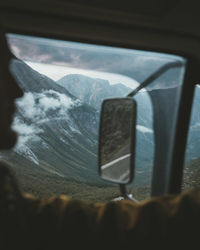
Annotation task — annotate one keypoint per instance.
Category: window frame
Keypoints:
(96, 32)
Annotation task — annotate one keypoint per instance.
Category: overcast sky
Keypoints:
(87, 59)
(56, 72)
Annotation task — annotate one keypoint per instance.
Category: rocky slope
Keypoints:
(93, 91)
(58, 132)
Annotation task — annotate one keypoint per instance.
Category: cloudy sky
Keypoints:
(56, 58)
(56, 72)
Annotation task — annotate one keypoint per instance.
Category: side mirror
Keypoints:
(117, 140)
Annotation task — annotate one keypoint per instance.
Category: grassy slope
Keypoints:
(191, 178)
(41, 184)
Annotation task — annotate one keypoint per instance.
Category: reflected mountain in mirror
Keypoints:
(117, 139)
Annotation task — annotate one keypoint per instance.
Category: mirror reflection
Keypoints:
(117, 136)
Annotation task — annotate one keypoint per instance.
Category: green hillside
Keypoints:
(43, 184)
(191, 178)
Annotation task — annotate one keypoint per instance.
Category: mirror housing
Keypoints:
(117, 140)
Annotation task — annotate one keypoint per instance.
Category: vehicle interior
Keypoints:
(153, 45)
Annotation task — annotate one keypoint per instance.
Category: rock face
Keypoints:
(58, 127)
(92, 90)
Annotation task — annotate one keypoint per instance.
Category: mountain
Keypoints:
(58, 132)
(58, 126)
(92, 90)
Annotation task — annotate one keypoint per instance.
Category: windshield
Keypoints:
(64, 84)
(191, 176)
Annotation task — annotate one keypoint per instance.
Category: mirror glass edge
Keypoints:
(132, 143)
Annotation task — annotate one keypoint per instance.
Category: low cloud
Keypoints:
(34, 109)
(26, 133)
(24, 129)
(37, 106)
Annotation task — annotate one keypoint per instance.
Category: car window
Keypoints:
(191, 177)
(57, 119)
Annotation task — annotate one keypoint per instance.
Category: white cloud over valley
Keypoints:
(35, 107)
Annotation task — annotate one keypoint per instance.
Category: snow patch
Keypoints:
(144, 129)
(64, 141)
(74, 130)
(66, 132)
(196, 126)
(27, 152)
(45, 145)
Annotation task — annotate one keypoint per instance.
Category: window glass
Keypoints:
(157, 112)
(64, 84)
(191, 177)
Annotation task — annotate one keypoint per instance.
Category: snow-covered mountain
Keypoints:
(93, 91)
(57, 132)
(58, 125)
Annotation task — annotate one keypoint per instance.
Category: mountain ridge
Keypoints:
(55, 128)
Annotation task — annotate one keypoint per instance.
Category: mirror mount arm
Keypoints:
(155, 75)
(124, 193)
